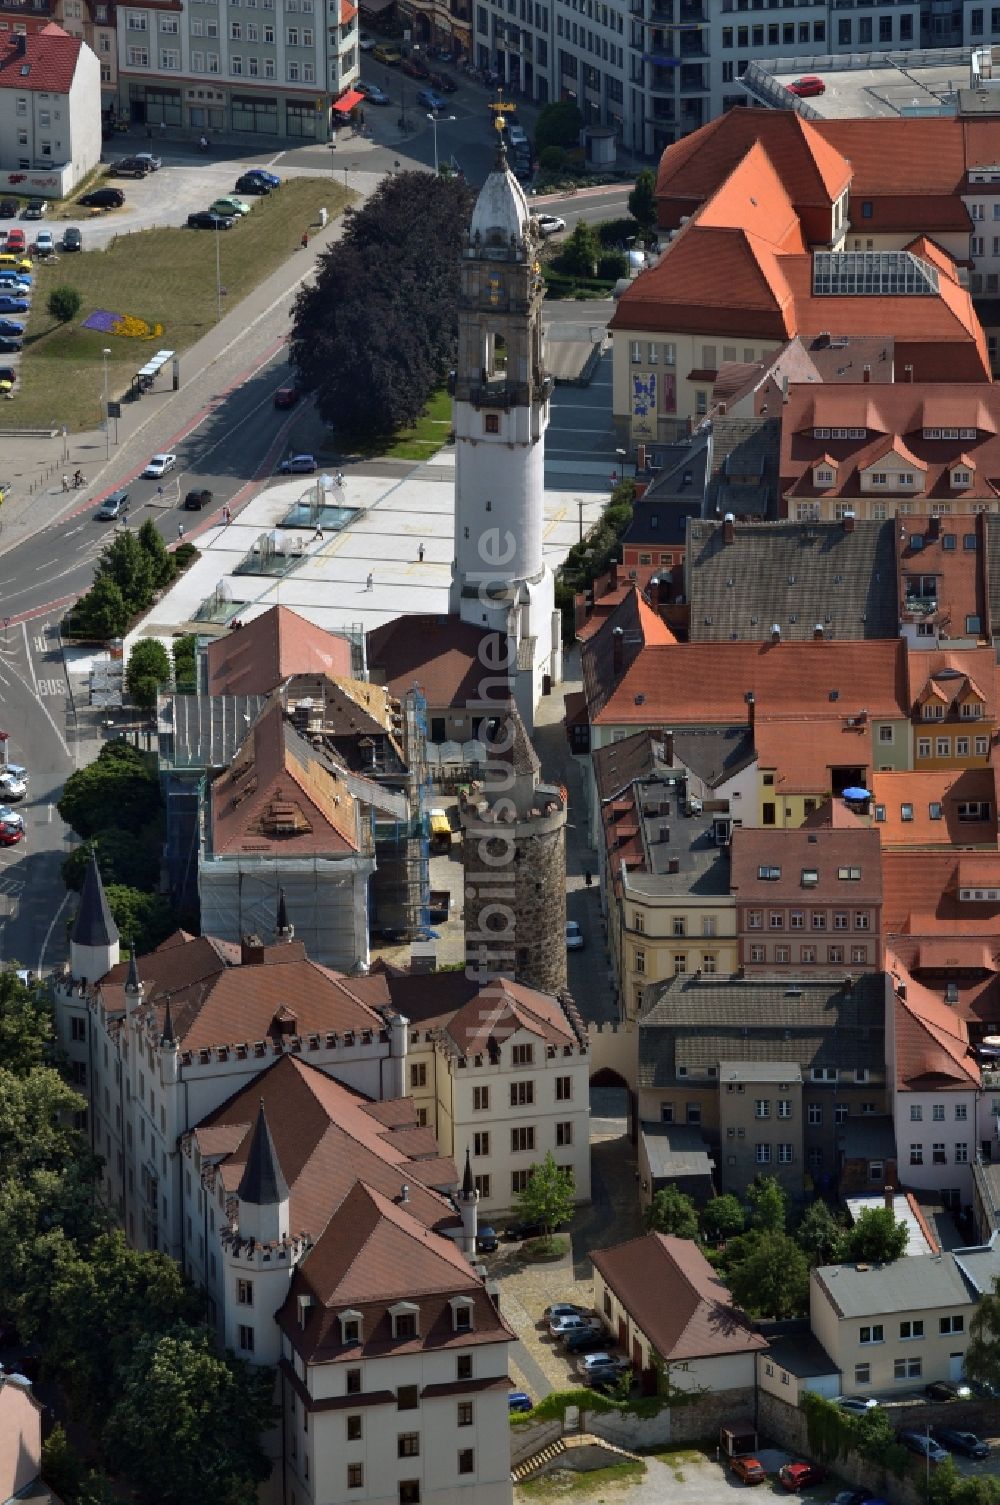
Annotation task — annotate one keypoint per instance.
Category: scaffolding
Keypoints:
(401, 887)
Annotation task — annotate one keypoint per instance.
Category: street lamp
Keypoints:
(623, 456)
(434, 122)
(107, 417)
(218, 278)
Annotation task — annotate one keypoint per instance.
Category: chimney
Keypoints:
(848, 522)
(613, 570)
(251, 951)
(889, 1196)
(729, 528)
(663, 590)
(404, 1194)
(668, 749)
(617, 649)
(20, 44)
(901, 991)
(866, 374)
(751, 703)
(818, 633)
(775, 633)
(934, 527)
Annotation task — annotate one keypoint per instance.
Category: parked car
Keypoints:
(35, 209)
(268, 177)
(947, 1390)
(430, 100)
(19, 770)
(591, 1363)
(298, 465)
(15, 262)
(16, 241)
(443, 83)
(8, 373)
(800, 1475)
(103, 198)
(389, 55)
(518, 1400)
(11, 787)
(15, 286)
(114, 506)
(286, 397)
(207, 219)
(9, 305)
(570, 1322)
(855, 1497)
(10, 344)
(252, 182)
(487, 1241)
(9, 817)
(807, 87)
(149, 160)
(550, 224)
(72, 239)
(965, 1443)
(749, 1470)
(372, 92)
(525, 1228)
(45, 243)
(195, 500)
(415, 66)
(230, 205)
(11, 329)
(574, 936)
(159, 465)
(10, 835)
(564, 1309)
(9, 208)
(922, 1445)
(16, 274)
(858, 1405)
(128, 167)
(586, 1340)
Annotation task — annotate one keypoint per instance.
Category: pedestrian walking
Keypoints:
(420, 553)
(180, 531)
(340, 479)
(588, 880)
(226, 515)
(319, 532)
(305, 239)
(163, 129)
(65, 483)
(370, 582)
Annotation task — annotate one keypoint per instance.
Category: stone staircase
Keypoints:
(548, 1456)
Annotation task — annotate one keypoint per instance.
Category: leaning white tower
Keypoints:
(501, 411)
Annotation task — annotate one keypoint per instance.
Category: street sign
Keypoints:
(505, 106)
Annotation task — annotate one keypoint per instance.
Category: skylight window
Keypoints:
(873, 274)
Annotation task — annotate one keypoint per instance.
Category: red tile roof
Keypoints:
(921, 898)
(257, 657)
(931, 1041)
(675, 1298)
(803, 751)
(960, 571)
(45, 62)
(825, 850)
(954, 675)
(943, 788)
(439, 654)
(705, 684)
(278, 798)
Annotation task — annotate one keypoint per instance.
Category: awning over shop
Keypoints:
(348, 102)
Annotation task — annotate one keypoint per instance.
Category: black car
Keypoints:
(587, 1341)
(9, 208)
(946, 1390)
(10, 344)
(72, 239)
(34, 209)
(443, 83)
(252, 182)
(487, 1241)
(195, 500)
(956, 1441)
(207, 219)
(525, 1230)
(128, 167)
(103, 198)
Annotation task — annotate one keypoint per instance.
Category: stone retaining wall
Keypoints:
(529, 1438)
(786, 1425)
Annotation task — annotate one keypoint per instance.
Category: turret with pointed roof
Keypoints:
(263, 1190)
(94, 941)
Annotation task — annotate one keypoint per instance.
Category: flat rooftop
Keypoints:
(881, 84)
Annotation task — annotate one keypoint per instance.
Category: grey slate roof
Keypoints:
(697, 1022)
(794, 574)
(714, 753)
(800, 1354)
(980, 1266)
(674, 1150)
(918, 1283)
(94, 925)
(262, 1183)
(744, 478)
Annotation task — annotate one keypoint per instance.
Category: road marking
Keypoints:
(48, 933)
(50, 687)
(44, 708)
(40, 645)
(73, 531)
(49, 815)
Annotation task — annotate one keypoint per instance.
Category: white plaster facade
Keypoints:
(53, 137)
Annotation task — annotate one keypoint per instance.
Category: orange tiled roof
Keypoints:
(257, 657)
(931, 1041)
(921, 898)
(803, 750)
(943, 788)
(954, 675)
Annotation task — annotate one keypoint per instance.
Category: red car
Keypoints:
(15, 240)
(808, 86)
(11, 835)
(800, 1475)
(750, 1470)
(286, 397)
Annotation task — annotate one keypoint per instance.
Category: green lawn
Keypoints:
(567, 1484)
(429, 432)
(165, 277)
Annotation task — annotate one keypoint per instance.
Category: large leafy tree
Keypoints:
(642, 200)
(672, 1211)
(148, 669)
(143, 919)
(768, 1205)
(185, 1428)
(129, 858)
(548, 1196)
(25, 1024)
(819, 1234)
(722, 1218)
(771, 1278)
(876, 1237)
(982, 1356)
(119, 789)
(558, 124)
(377, 331)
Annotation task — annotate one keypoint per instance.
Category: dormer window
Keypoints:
(404, 1320)
(350, 1328)
(961, 478)
(933, 711)
(971, 710)
(461, 1313)
(824, 475)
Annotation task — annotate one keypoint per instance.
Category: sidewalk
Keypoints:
(35, 467)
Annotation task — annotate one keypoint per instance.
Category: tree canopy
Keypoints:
(130, 571)
(558, 124)
(722, 1218)
(120, 788)
(819, 1234)
(982, 1356)
(548, 1196)
(768, 1205)
(672, 1211)
(148, 669)
(771, 1276)
(876, 1237)
(387, 291)
(642, 200)
(129, 859)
